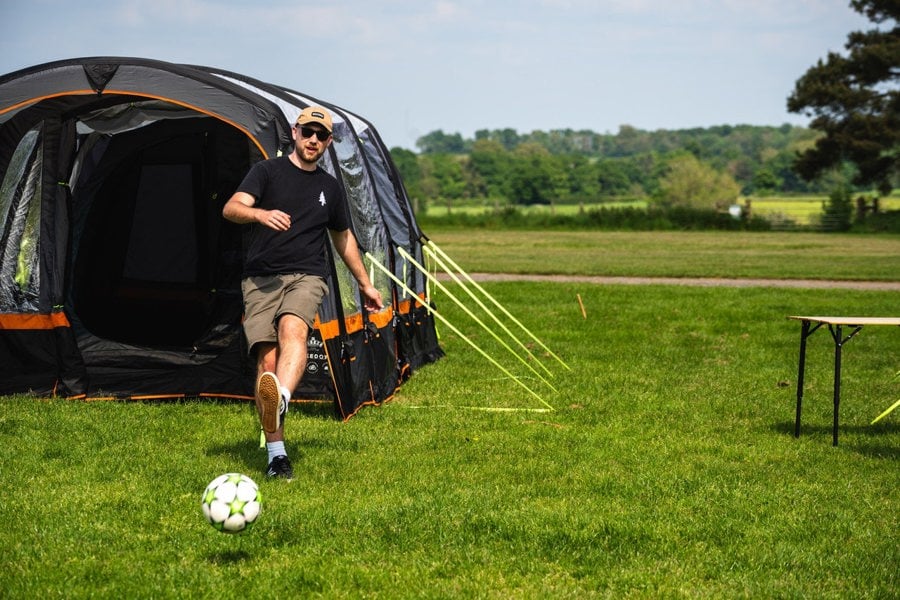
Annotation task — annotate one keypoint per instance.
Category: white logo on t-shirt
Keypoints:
(322, 198)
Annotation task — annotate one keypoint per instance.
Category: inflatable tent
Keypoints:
(119, 278)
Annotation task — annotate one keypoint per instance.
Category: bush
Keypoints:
(883, 222)
(837, 211)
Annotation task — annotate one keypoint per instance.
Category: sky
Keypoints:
(412, 67)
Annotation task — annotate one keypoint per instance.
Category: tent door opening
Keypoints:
(154, 263)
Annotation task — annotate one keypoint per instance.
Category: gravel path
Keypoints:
(694, 281)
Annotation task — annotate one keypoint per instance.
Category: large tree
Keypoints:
(854, 99)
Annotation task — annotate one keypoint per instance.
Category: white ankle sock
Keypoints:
(285, 394)
(275, 449)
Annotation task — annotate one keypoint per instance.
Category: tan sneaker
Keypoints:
(269, 402)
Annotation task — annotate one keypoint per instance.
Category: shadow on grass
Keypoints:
(315, 409)
(228, 557)
(252, 455)
(320, 409)
(247, 452)
(874, 442)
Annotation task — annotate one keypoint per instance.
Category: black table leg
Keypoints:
(838, 344)
(839, 341)
(804, 333)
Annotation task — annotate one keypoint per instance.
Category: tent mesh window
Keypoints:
(20, 210)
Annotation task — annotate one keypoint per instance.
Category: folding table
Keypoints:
(809, 325)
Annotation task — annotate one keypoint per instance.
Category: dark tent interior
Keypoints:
(155, 264)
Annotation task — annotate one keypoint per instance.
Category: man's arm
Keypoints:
(240, 209)
(345, 244)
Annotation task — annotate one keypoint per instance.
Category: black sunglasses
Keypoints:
(308, 132)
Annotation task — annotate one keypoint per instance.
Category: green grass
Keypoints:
(668, 469)
(676, 254)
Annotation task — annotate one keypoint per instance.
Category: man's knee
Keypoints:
(292, 329)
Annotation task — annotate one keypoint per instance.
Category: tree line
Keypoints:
(569, 166)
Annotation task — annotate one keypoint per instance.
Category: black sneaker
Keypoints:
(280, 467)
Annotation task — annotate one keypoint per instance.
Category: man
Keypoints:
(290, 203)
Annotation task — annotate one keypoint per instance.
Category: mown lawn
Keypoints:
(667, 466)
(667, 469)
(777, 255)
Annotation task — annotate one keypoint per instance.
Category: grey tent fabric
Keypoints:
(118, 276)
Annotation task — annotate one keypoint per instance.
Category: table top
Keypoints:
(851, 320)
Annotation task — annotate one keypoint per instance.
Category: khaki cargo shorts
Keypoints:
(267, 297)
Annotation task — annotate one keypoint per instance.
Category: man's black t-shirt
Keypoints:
(314, 200)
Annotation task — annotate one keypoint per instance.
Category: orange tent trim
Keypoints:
(27, 321)
(142, 95)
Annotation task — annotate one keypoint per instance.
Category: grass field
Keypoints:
(676, 254)
(667, 468)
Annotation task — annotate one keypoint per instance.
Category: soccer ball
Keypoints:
(231, 502)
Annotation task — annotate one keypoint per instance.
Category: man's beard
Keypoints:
(302, 156)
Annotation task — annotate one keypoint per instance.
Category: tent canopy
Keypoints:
(120, 278)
